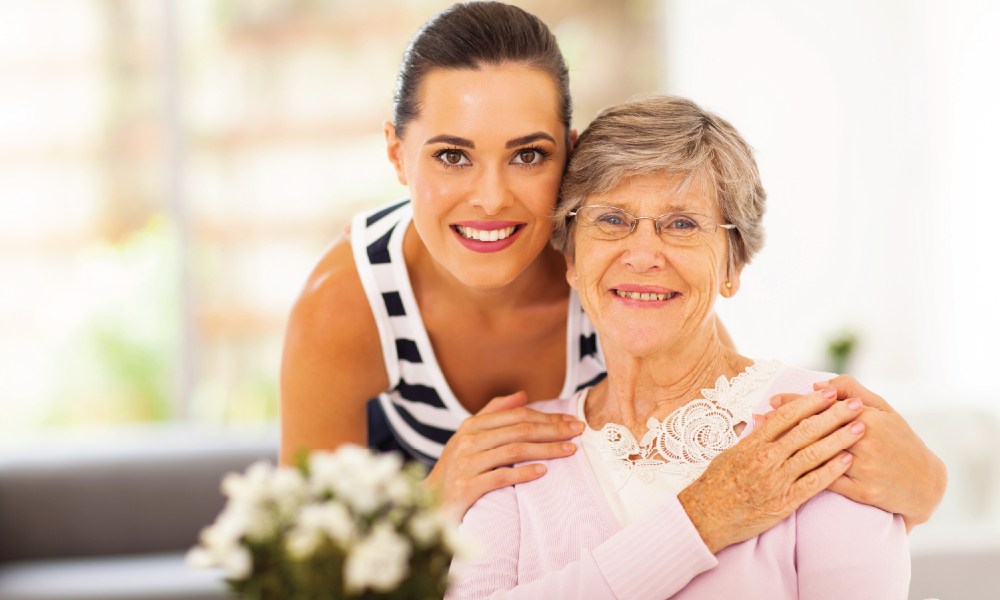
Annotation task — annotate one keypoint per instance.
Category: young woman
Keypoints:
(450, 311)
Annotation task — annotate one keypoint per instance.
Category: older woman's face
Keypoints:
(646, 293)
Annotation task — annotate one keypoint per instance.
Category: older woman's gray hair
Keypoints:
(673, 136)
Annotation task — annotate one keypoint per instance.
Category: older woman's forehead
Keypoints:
(666, 192)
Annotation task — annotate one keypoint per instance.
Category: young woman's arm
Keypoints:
(332, 360)
(332, 365)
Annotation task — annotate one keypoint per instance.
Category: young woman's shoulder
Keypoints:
(332, 359)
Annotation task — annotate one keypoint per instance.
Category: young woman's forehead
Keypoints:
(508, 101)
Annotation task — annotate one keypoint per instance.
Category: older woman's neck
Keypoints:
(637, 388)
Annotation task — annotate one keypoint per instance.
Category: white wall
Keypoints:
(876, 126)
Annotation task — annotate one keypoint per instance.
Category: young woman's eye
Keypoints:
(530, 157)
(451, 157)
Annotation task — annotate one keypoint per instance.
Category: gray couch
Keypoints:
(111, 518)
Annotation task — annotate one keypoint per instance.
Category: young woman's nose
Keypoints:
(491, 192)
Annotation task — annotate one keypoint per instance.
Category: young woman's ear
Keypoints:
(394, 150)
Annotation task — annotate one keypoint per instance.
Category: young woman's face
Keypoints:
(483, 160)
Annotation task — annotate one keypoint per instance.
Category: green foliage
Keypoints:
(118, 362)
(840, 350)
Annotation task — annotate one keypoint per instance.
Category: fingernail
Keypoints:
(847, 458)
(577, 427)
(775, 402)
(567, 447)
(854, 404)
(857, 428)
(829, 393)
(568, 418)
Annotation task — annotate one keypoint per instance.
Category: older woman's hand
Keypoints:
(893, 469)
(478, 457)
(795, 454)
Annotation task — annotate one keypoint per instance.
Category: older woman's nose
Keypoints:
(644, 248)
(491, 192)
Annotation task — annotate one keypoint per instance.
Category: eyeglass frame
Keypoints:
(655, 220)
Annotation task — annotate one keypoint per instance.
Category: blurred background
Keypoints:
(169, 172)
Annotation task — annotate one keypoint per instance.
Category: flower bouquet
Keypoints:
(344, 524)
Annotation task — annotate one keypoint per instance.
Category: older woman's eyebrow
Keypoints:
(527, 139)
(454, 140)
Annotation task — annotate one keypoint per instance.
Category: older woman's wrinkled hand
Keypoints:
(798, 451)
(479, 456)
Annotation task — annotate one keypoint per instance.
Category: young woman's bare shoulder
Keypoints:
(332, 359)
(332, 305)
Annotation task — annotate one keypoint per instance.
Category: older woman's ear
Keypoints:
(731, 284)
(570, 272)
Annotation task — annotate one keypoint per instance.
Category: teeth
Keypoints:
(492, 235)
(645, 295)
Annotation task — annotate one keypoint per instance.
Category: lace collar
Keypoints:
(684, 442)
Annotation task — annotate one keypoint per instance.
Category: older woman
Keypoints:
(661, 209)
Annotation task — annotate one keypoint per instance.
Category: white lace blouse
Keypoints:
(636, 476)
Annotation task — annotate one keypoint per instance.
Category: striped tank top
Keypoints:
(419, 412)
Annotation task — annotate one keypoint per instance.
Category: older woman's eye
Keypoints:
(681, 224)
(613, 219)
(451, 157)
(530, 157)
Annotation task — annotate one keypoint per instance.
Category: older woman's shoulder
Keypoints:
(773, 378)
(796, 380)
(559, 405)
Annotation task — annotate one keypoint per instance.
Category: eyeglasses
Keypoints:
(613, 223)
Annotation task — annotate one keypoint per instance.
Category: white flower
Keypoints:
(427, 526)
(288, 490)
(221, 547)
(330, 518)
(380, 561)
(361, 478)
(238, 563)
(302, 542)
(253, 487)
(228, 529)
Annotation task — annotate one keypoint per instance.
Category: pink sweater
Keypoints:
(556, 537)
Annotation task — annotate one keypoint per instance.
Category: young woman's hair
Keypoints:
(666, 135)
(473, 34)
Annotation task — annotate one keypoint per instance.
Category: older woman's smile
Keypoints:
(636, 295)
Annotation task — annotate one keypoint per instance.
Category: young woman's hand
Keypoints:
(796, 453)
(892, 467)
(479, 456)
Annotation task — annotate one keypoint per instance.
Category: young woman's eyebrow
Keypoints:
(527, 139)
(453, 140)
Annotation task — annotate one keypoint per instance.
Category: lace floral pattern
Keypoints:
(689, 438)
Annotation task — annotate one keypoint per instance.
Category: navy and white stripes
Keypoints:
(420, 408)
